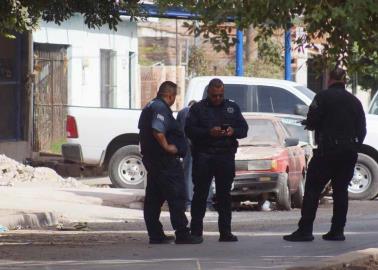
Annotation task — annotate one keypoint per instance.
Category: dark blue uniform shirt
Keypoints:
(337, 118)
(157, 116)
(203, 116)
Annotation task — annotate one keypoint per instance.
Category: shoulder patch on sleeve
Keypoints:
(160, 117)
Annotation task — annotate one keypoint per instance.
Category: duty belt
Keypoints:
(217, 150)
(341, 141)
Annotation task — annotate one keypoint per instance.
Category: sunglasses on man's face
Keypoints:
(217, 95)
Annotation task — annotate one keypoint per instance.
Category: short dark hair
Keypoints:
(338, 74)
(167, 87)
(215, 83)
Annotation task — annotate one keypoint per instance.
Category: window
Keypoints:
(307, 92)
(295, 129)
(108, 78)
(260, 132)
(276, 100)
(240, 93)
(374, 105)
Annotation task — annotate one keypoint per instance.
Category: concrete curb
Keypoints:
(28, 220)
(361, 260)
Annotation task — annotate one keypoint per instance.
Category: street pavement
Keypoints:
(124, 244)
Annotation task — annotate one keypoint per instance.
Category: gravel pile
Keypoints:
(13, 173)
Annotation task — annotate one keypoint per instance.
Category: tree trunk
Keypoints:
(250, 46)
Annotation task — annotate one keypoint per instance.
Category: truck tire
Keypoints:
(126, 169)
(283, 194)
(297, 197)
(364, 184)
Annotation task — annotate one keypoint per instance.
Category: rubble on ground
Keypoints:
(13, 173)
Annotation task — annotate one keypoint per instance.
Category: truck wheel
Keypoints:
(126, 169)
(298, 195)
(364, 184)
(283, 194)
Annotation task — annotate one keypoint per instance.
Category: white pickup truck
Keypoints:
(109, 137)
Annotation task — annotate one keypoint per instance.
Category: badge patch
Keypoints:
(160, 117)
(230, 110)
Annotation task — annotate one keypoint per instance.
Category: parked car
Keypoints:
(278, 96)
(269, 162)
(297, 130)
(108, 138)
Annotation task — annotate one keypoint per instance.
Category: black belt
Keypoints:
(217, 150)
(345, 141)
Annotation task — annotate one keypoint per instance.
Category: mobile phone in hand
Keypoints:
(225, 126)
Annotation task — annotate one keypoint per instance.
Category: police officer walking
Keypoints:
(338, 119)
(162, 144)
(214, 124)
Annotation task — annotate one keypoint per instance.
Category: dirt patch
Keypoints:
(13, 173)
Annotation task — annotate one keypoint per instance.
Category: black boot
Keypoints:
(189, 239)
(299, 236)
(228, 237)
(163, 240)
(334, 235)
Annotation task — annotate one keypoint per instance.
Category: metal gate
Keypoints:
(50, 97)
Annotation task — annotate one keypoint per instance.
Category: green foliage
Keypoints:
(24, 15)
(56, 147)
(366, 68)
(337, 24)
(263, 69)
(145, 53)
(340, 25)
(198, 65)
(270, 51)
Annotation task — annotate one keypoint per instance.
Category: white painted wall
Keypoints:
(84, 58)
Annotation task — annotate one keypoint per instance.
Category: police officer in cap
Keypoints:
(162, 144)
(214, 124)
(338, 119)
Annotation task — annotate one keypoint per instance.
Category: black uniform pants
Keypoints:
(205, 167)
(165, 182)
(337, 168)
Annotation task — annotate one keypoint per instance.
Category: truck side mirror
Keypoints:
(291, 142)
(301, 109)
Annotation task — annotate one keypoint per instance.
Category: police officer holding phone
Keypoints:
(214, 124)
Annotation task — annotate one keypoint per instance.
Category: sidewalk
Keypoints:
(16, 219)
(366, 259)
(38, 206)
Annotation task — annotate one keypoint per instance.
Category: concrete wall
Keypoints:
(84, 47)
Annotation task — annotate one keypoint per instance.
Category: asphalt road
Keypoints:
(123, 245)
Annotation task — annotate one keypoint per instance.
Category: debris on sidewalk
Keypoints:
(266, 206)
(3, 229)
(79, 226)
(13, 173)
